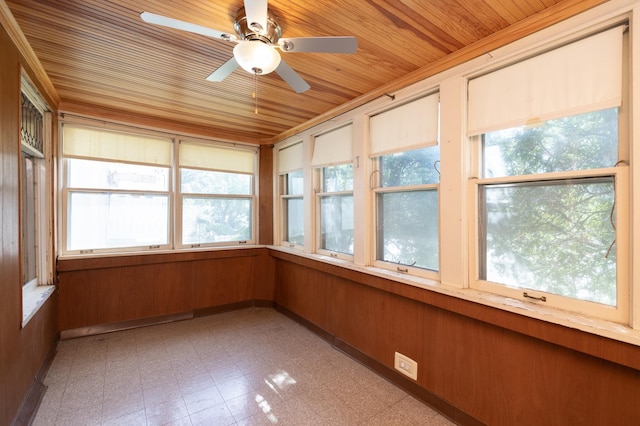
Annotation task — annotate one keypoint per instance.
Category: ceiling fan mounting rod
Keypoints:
(254, 31)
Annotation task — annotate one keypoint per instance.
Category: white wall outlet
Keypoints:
(406, 366)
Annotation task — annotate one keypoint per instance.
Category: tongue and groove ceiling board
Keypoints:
(103, 60)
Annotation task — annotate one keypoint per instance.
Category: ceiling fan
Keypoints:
(257, 42)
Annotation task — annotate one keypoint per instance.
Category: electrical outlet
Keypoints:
(406, 365)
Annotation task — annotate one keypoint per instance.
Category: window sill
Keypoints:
(607, 329)
(125, 253)
(34, 297)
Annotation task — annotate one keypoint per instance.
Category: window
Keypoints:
(34, 235)
(407, 209)
(118, 192)
(551, 195)
(216, 186)
(291, 190)
(29, 219)
(332, 162)
(293, 208)
(405, 152)
(336, 209)
(36, 245)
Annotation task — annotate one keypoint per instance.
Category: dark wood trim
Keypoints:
(409, 386)
(203, 312)
(264, 304)
(29, 407)
(306, 323)
(600, 347)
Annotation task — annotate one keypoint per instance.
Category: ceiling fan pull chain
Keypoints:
(255, 91)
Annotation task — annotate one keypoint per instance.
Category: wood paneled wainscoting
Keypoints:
(107, 293)
(476, 364)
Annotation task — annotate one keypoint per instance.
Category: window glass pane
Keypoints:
(28, 219)
(109, 175)
(337, 178)
(553, 237)
(211, 182)
(336, 221)
(103, 220)
(408, 228)
(213, 220)
(294, 221)
(295, 183)
(414, 167)
(580, 142)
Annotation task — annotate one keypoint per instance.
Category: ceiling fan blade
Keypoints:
(256, 13)
(224, 70)
(347, 44)
(292, 78)
(152, 18)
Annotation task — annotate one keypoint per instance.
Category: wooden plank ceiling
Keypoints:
(104, 60)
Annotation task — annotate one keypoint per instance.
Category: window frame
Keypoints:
(42, 187)
(618, 313)
(285, 197)
(173, 192)
(36, 291)
(180, 197)
(396, 267)
(622, 201)
(66, 193)
(321, 193)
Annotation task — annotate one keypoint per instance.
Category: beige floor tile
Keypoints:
(166, 412)
(199, 399)
(218, 415)
(248, 367)
(137, 418)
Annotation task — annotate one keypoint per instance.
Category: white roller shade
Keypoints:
(409, 126)
(333, 147)
(214, 157)
(290, 158)
(84, 142)
(580, 77)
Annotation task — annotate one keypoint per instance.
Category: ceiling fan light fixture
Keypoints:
(256, 57)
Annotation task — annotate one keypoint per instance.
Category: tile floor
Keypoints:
(248, 367)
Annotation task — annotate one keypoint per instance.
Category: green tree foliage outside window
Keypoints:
(407, 217)
(552, 235)
(336, 211)
(216, 207)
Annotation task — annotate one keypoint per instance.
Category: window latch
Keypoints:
(528, 296)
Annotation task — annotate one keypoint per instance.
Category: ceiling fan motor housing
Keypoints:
(254, 31)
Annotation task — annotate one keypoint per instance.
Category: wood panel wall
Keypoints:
(22, 350)
(491, 366)
(111, 290)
